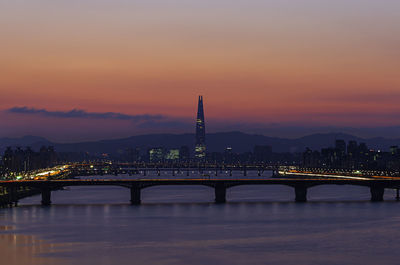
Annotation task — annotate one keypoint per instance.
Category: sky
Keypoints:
(92, 69)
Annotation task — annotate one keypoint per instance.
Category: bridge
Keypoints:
(121, 169)
(15, 190)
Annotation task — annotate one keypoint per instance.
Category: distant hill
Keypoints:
(33, 141)
(141, 141)
(240, 142)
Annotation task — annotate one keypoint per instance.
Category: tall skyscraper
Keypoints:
(200, 148)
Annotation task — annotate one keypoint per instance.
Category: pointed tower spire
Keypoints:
(200, 148)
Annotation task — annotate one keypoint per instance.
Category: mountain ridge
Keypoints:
(216, 142)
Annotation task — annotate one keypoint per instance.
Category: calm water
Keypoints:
(182, 225)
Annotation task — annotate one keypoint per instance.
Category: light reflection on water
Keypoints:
(182, 225)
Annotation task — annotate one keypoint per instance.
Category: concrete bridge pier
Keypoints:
(135, 195)
(301, 193)
(15, 197)
(46, 196)
(12, 196)
(377, 193)
(220, 193)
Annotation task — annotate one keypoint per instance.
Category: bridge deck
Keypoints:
(15, 190)
(205, 181)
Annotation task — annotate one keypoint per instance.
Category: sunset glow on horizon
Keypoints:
(293, 63)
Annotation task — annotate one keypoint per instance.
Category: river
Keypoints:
(182, 225)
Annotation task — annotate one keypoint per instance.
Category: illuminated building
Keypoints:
(156, 154)
(200, 147)
(173, 154)
(228, 155)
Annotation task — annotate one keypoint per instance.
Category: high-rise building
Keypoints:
(200, 147)
(228, 155)
(131, 155)
(394, 150)
(352, 148)
(156, 154)
(173, 154)
(340, 146)
(184, 153)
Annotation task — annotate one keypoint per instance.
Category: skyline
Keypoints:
(109, 154)
(275, 68)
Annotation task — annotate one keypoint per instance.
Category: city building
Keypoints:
(156, 154)
(184, 153)
(341, 147)
(20, 160)
(200, 146)
(262, 153)
(228, 155)
(355, 157)
(131, 155)
(173, 154)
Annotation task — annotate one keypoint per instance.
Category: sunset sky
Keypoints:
(287, 67)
